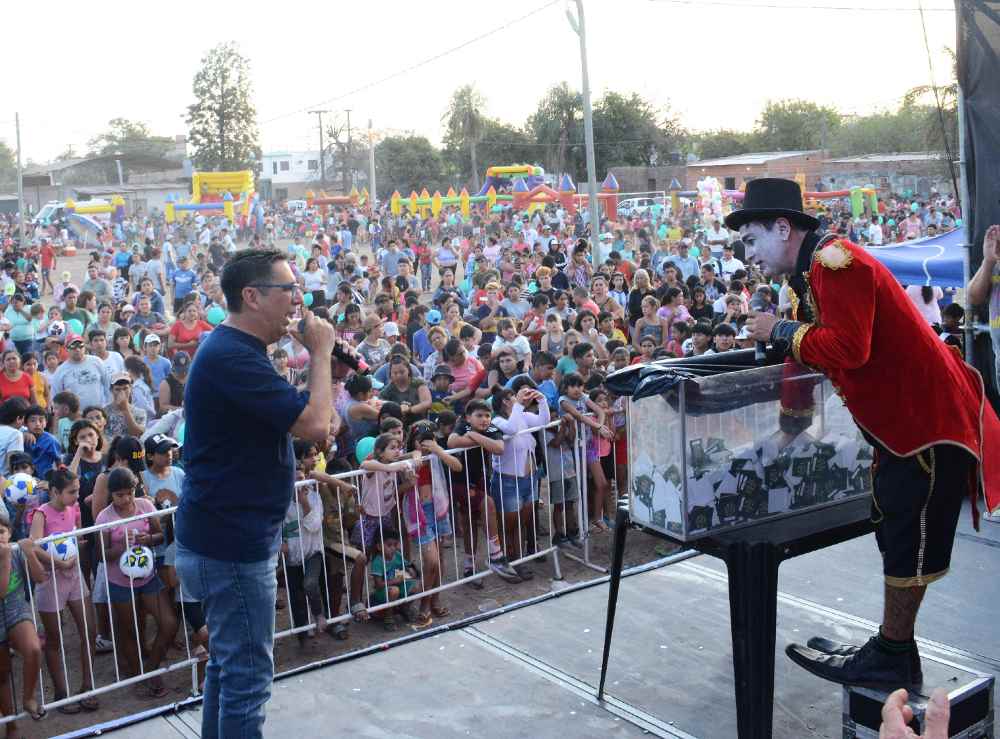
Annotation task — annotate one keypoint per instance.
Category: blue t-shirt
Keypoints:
(45, 453)
(238, 461)
(159, 370)
(546, 387)
(184, 282)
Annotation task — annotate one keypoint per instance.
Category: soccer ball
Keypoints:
(57, 329)
(19, 487)
(137, 562)
(62, 549)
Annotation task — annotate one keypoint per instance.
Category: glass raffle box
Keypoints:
(734, 449)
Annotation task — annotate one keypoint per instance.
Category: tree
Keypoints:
(407, 164)
(125, 137)
(723, 143)
(8, 164)
(464, 124)
(883, 131)
(631, 131)
(556, 125)
(789, 125)
(938, 127)
(222, 122)
(499, 143)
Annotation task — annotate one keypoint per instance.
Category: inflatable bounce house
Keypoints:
(212, 193)
(324, 201)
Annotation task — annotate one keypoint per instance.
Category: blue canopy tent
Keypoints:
(937, 261)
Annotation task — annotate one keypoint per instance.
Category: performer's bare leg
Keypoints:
(900, 612)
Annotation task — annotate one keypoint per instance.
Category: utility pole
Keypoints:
(322, 151)
(371, 165)
(20, 181)
(579, 26)
(348, 161)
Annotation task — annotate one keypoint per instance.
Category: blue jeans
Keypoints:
(238, 600)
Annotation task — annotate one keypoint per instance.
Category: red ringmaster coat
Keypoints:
(903, 385)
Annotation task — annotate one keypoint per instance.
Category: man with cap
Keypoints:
(124, 419)
(729, 263)
(159, 366)
(82, 375)
(171, 390)
(853, 321)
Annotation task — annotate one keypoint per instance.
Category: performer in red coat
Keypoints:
(922, 408)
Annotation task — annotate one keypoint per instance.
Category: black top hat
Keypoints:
(771, 197)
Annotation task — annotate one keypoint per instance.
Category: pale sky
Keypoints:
(715, 62)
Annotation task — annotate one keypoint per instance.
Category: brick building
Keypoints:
(732, 172)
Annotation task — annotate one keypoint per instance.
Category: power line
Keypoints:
(775, 6)
(417, 65)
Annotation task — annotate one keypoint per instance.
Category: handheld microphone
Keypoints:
(760, 349)
(355, 363)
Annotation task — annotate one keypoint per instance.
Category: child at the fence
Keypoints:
(163, 481)
(393, 579)
(605, 452)
(346, 565)
(19, 514)
(127, 452)
(512, 485)
(148, 592)
(302, 544)
(440, 389)
(564, 490)
(427, 510)
(85, 459)
(584, 411)
(387, 477)
(64, 587)
(17, 629)
(477, 434)
(45, 450)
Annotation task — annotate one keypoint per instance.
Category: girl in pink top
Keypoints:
(126, 595)
(65, 586)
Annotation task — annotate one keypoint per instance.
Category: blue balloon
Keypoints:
(307, 299)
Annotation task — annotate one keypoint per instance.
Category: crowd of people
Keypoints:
(467, 335)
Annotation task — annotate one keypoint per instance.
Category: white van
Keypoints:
(632, 206)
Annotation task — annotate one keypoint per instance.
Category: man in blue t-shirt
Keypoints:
(184, 280)
(240, 416)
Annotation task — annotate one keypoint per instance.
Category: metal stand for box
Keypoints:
(752, 556)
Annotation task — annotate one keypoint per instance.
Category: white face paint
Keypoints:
(770, 249)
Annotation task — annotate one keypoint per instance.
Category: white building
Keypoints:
(288, 174)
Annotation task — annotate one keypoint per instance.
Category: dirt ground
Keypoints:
(463, 602)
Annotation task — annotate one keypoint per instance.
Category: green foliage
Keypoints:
(408, 163)
(632, 132)
(557, 125)
(789, 125)
(883, 131)
(222, 122)
(8, 164)
(125, 137)
(723, 143)
(464, 125)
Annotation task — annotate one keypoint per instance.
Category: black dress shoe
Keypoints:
(869, 667)
(828, 646)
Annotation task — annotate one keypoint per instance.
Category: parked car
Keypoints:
(633, 206)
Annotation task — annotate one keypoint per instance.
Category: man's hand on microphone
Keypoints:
(318, 335)
(759, 324)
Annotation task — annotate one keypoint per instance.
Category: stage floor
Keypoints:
(534, 671)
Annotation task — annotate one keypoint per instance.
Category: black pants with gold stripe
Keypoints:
(915, 507)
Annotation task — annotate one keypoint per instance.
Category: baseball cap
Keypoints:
(160, 444)
(442, 372)
(120, 377)
(390, 328)
(151, 339)
(66, 275)
(128, 308)
(73, 339)
(433, 317)
(181, 362)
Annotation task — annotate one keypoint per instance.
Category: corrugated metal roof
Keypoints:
(906, 156)
(754, 158)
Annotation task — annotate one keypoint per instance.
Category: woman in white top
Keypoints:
(512, 485)
(926, 299)
(314, 281)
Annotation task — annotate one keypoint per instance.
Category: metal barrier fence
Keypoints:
(324, 546)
